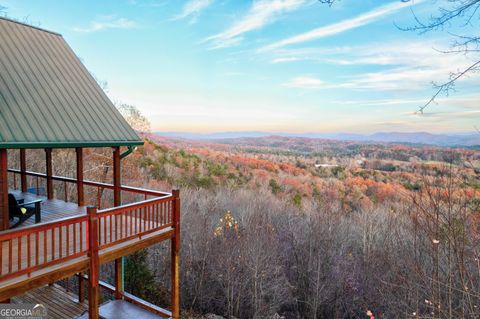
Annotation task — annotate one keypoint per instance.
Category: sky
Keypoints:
(292, 66)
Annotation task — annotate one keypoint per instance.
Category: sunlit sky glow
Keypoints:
(276, 65)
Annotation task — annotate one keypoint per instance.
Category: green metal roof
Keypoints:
(48, 98)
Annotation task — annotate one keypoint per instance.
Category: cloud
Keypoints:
(261, 13)
(107, 23)
(306, 82)
(192, 8)
(342, 26)
(404, 65)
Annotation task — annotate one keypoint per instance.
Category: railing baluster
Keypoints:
(28, 251)
(67, 238)
(110, 239)
(121, 225)
(45, 246)
(104, 221)
(60, 246)
(19, 254)
(36, 248)
(38, 189)
(10, 255)
(144, 211)
(53, 243)
(130, 224)
(74, 238)
(164, 212)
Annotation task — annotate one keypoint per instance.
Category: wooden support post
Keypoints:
(48, 164)
(81, 288)
(93, 276)
(117, 201)
(118, 278)
(80, 192)
(117, 196)
(23, 169)
(175, 253)
(4, 215)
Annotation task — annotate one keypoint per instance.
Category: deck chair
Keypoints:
(23, 211)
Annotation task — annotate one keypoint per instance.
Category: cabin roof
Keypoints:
(48, 98)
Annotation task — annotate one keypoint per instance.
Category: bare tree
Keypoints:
(134, 117)
(454, 13)
(450, 14)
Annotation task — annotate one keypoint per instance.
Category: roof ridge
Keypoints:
(29, 25)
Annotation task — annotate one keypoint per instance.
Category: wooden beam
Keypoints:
(111, 253)
(23, 169)
(42, 277)
(175, 253)
(48, 164)
(4, 215)
(93, 276)
(80, 191)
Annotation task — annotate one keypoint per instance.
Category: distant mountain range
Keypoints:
(456, 139)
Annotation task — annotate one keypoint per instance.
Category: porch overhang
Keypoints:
(67, 144)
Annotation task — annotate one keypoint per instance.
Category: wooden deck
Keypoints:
(60, 303)
(72, 239)
(52, 209)
(121, 309)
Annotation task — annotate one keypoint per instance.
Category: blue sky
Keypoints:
(276, 65)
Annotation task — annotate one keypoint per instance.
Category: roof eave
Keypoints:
(28, 145)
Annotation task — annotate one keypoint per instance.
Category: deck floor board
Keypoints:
(60, 303)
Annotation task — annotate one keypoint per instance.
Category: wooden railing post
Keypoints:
(81, 288)
(48, 164)
(23, 170)
(175, 251)
(93, 276)
(80, 192)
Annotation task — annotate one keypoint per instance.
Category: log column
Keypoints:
(175, 254)
(80, 192)
(4, 215)
(23, 170)
(93, 275)
(48, 165)
(117, 201)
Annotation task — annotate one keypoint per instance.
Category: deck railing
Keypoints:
(38, 179)
(134, 220)
(28, 249)
(25, 250)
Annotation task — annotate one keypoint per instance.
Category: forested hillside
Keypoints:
(320, 229)
(307, 228)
